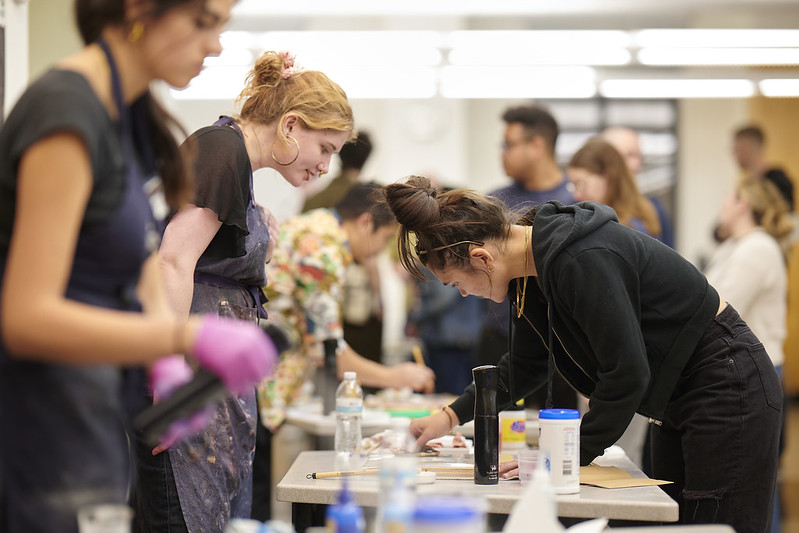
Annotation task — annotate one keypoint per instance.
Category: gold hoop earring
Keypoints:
(136, 31)
(491, 270)
(295, 157)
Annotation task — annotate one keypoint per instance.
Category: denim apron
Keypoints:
(213, 470)
(63, 426)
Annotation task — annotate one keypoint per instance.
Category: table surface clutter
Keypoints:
(640, 503)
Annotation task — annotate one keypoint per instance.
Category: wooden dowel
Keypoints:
(323, 475)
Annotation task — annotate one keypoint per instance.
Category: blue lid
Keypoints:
(446, 509)
(559, 414)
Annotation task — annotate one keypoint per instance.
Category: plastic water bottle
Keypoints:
(349, 409)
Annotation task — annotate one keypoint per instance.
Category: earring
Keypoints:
(491, 270)
(136, 31)
(295, 157)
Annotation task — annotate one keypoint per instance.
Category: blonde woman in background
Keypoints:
(749, 268)
(598, 173)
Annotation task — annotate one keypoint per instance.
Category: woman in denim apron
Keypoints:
(77, 231)
(213, 255)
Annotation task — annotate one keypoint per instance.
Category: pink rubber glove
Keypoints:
(240, 353)
(166, 375)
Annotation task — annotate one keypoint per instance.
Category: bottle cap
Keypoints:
(559, 414)
(350, 375)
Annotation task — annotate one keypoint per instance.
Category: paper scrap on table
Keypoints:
(611, 477)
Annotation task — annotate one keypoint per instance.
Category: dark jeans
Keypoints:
(721, 431)
(155, 499)
(262, 474)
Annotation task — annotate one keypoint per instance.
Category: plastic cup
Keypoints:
(105, 518)
(528, 459)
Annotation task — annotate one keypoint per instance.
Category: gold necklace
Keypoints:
(521, 293)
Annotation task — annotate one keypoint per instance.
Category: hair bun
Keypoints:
(414, 203)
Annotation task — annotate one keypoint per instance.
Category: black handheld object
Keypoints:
(204, 388)
(486, 425)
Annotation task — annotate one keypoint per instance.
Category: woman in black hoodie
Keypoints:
(628, 322)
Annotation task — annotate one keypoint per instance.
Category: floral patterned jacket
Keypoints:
(305, 291)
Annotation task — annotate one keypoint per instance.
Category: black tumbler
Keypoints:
(486, 425)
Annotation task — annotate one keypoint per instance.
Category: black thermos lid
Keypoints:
(486, 380)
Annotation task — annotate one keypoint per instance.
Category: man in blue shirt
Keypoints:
(528, 157)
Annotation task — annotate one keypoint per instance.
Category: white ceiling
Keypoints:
(515, 14)
(383, 49)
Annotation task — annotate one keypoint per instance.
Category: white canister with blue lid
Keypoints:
(559, 435)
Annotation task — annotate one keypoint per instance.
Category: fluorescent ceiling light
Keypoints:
(685, 88)
(780, 87)
(717, 38)
(499, 41)
(321, 49)
(521, 82)
(225, 83)
(549, 47)
(719, 56)
(214, 83)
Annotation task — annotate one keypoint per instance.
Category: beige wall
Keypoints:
(707, 169)
(52, 33)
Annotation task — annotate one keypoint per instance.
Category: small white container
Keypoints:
(559, 436)
(512, 432)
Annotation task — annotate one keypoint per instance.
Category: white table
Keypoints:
(324, 425)
(307, 495)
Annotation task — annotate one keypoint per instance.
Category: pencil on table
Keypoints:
(323, 475)
(417, 355)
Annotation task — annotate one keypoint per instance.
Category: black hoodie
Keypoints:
(617, 312)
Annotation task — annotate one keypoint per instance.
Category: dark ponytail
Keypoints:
(433, 222)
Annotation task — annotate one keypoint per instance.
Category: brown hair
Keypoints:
(172, 163)
(433, 221)
(600, 157)
(318, 101)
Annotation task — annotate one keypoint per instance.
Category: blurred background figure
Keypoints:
(305, 292)
(528, 158)
(749, 149)
(362, 308)
(749, 270)
(627, 142)
(599, 173)
(353, 157)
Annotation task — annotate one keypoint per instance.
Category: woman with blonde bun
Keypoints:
(213, 258)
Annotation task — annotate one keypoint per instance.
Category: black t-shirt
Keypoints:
(61, 101)
(222, 184)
